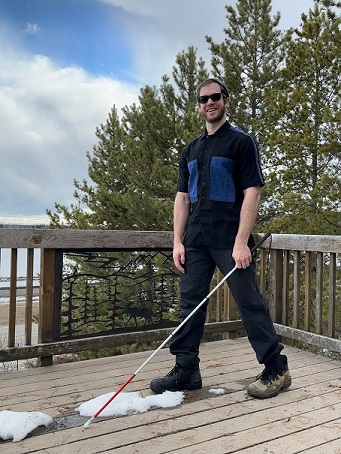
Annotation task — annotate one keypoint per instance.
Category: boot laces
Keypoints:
(268, 375)
(174, 371)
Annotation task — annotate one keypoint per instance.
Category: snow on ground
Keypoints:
(16, 426)
(128, 403)
(217, 391)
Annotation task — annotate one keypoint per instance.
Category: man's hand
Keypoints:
(242, 255)
(179, 256)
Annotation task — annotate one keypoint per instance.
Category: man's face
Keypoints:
(212, 110)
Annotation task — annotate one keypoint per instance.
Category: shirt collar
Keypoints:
(220, 132)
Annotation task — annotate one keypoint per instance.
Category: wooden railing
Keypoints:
(298, 274)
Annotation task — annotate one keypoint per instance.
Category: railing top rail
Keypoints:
(85, 239)
(312, 243)
(132, 239)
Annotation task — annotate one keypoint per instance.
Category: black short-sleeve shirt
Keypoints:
(214, 170)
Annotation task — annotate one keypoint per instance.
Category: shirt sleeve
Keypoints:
(183, 174)
(249, 164)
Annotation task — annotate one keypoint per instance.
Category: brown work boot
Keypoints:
(272, 380)
(178, 379)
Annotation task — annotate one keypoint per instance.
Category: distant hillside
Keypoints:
(23, 226)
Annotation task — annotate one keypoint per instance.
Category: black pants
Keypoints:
(195, 286)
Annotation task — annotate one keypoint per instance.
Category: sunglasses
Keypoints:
(215, 97)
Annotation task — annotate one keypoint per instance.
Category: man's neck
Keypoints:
(211, 128)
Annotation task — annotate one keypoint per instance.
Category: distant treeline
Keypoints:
(23, 226)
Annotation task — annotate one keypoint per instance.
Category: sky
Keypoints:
(63, 66)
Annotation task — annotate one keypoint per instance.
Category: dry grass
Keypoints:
(20, 313)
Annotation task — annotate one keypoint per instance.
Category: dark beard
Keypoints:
(216, 119)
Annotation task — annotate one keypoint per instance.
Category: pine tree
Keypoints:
(134, 166)
(100, 204)
(188, 73)
(248, 61)
(150, 161)
(304, 135)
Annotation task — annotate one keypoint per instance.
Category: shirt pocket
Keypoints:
(222, 188)
(193, 180)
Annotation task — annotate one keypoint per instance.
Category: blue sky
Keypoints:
(85, 33)
(65, 63)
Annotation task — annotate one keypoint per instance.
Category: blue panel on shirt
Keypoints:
(193, 180)
(222, 187)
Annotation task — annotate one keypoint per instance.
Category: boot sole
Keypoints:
(187, 387)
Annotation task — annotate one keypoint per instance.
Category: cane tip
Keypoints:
(87, 424)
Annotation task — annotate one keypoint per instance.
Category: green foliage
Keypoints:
(304, 155)
(133, 167)
(119, 350)
(284, 89)
(248, 60)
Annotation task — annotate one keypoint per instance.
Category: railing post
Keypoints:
(307, 291)
(220, 298)
(262, 271)
(230, 311)
(29, 296)
(319, 292)
(286, 290)
(297, 289)
(46, 300)
(276, 285)
(332, 293)
(13, 297)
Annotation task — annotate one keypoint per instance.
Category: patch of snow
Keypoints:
(128, 403)
(217, 391)
(16, 426)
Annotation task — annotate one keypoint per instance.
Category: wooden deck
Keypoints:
(304, 419)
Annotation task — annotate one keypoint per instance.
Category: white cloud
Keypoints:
(49, 113)
(145, 8)
(48, 117)
(32, 29)
(160, 29)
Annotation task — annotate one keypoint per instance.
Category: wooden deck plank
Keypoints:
(160, 423)
(300, 441)
(231, 421)
(57, 376)
(295, 440)
(78, 391)
(331, 447)
(73, 392)
(178, 431)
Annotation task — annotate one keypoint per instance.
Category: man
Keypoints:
(215, 209)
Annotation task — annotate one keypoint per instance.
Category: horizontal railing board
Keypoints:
(131, 239)
(85, 239)
(101, 342)
(313, 243)
(333, 345)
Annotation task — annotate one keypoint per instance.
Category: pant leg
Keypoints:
(194, 287)
(252, 307)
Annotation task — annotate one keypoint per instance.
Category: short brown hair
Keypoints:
(210, 81)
